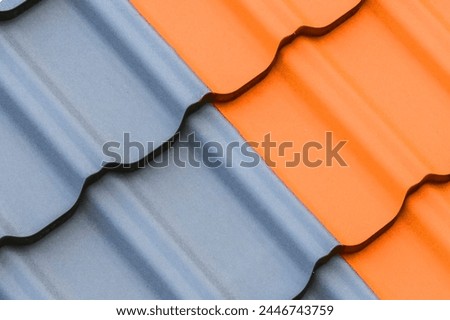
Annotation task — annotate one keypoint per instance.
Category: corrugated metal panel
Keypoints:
(228, 43)
(176, 233)
(395, 124)
(412, 259)
(336, 280)
(74, 75)
(320, 85)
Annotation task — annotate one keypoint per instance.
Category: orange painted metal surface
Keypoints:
(367, 85)
(412, 259)
(227, 43)
(381, 82)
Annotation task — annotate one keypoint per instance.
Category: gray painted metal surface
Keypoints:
(74, 75)
(8, 5)
(336, 280)
(176, 233)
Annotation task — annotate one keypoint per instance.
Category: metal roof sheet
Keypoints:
(74, 75)
(228, 43)
(336, 280)
(340, 83)
(176, 232)
(318, 85)
(411, 259)
(380, 82)
(395, 124)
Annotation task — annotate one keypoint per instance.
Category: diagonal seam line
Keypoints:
(211, 97)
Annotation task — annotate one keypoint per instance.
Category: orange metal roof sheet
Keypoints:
(412, 259)
(227, 43)
(357, 82)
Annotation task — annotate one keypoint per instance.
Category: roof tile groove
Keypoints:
(70, 83)
(229, 43)
(235, 233)
(395, 124)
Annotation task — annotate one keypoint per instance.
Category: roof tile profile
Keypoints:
(75, 75)
(228, 43)
(411, 260)
(356, 83)
(176, 232)
(395, 125)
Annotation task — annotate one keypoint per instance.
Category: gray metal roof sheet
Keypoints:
(74, 75)
(176, 232)
(336, 280)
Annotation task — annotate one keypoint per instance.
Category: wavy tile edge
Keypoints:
(303, 31)
(431, 178)
(211, 97)
(16, 11)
